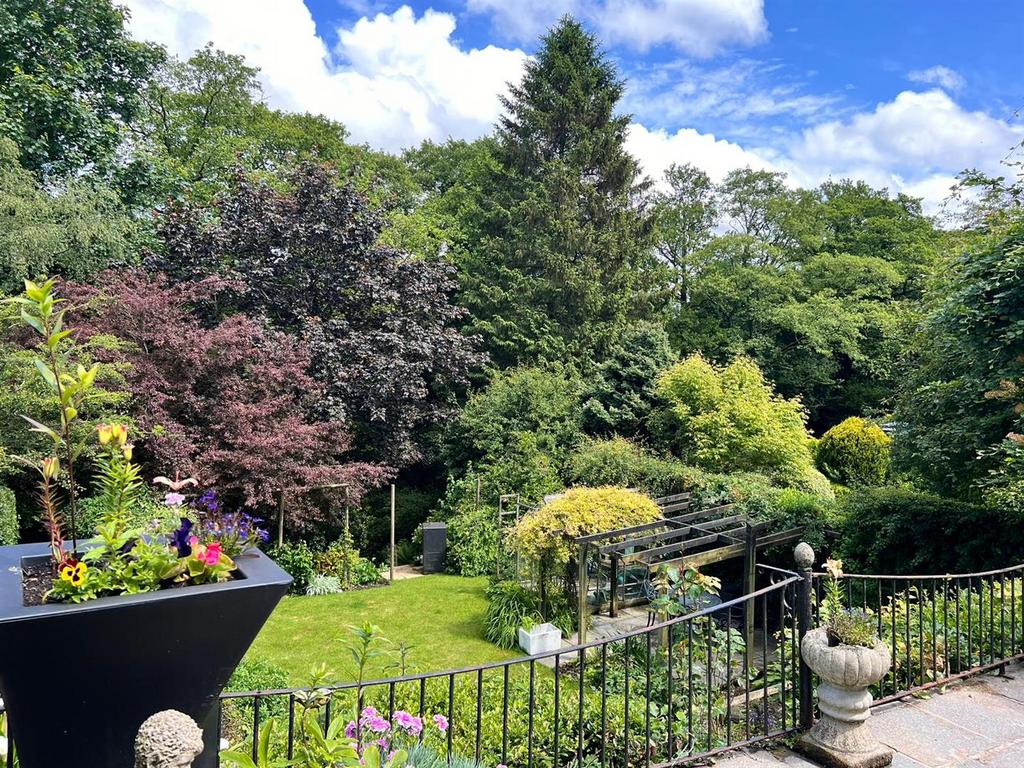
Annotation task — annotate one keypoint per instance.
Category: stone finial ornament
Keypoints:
(804, 555)
(168, 739)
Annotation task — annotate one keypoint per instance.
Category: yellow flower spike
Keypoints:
(106, 433)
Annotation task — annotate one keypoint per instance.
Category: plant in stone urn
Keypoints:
(848, 657)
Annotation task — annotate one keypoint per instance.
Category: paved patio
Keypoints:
(978, 723)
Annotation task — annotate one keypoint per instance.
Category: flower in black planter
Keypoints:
(181, 538)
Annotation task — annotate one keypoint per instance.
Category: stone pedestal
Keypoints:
(842, 738)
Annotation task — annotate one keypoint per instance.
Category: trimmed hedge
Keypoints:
(854, 452)
(901, 531)
(8, 517)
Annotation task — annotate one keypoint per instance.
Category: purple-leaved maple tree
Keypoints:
(231, 403)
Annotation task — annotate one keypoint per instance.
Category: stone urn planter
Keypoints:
(79, 679)
(842, 738)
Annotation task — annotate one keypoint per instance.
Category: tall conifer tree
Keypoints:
(565, 258)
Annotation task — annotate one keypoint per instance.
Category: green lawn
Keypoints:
(441, 617)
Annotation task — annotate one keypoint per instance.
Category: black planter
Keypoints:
(78, 680)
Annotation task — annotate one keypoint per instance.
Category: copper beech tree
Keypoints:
(382, 333)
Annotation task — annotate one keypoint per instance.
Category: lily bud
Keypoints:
(106, 433)
(51, 467)
(119, 433)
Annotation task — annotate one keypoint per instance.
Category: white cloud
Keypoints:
(917, 133)
(657, 149)
(697, 27)
(393, 79)
(396, 79)
(939, 75)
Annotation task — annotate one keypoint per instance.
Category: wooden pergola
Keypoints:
(684, 537)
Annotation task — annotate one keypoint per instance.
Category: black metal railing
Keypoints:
(680, 690)
(941, 628)
(676, 692)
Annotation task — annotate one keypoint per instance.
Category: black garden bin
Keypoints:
(78, 680)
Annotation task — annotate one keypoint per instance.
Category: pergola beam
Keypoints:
(677, 533)
(649, 556)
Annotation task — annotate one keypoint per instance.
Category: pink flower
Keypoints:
(174, 499)
(441, 722)
(378, 724)
(211, 556)
(408, 723)
(350, 730)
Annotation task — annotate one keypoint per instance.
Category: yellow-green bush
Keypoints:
(855, 452)
(547, 534)
(728, 419)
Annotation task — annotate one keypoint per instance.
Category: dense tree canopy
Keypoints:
(70, 78)
(74, 231)
(378, 321)
(229, 404)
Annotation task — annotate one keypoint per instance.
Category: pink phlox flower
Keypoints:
(382, 743)
(350, 730)
(174, 499)
(441, 722)
(408, 723)
(378, 724)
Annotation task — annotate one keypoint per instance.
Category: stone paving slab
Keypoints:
(977, 723)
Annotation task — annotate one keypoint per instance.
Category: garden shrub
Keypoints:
(901, 531)
(252, 674)
(854, 452)
(323, 584)
(758, 497)
(543, 402)
(547, 534)
(621, 462)
(9, 532)
(729, 419)
(509, 606)
(297, 559)
(473, 541)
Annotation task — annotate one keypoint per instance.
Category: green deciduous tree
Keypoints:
(958, 404)
(685, 215)
(729, 419)
(73, 231)
(70, 78)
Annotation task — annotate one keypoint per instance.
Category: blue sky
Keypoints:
(904, 94)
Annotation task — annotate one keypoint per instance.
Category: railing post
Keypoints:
(581, 594)
(804, 556)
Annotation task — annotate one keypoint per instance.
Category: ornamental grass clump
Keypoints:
(122, 558)
(844, 626)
